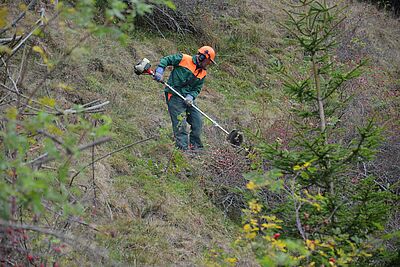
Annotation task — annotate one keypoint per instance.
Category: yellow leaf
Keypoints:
(54, 130)
(20, 31)
(231, 260)
(65, 87)
(71, 10)
(23, 7)
(253, 222)
(322, 253)
(247, 227)
(271, 219)
(12, 113)
(280, 245)
(38, 32)
(317, 206)
(271, 226)
(251, 185)
(255, 207)
(297, 168)
(3, 16)
(251, 235)
(310, 244)
(38, 49)
(5, 49)
(47, 101)
(268, 238)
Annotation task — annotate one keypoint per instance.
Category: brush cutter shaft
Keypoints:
(196, 108)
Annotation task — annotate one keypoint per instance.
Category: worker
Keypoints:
(187, 77)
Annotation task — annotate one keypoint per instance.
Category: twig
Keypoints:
(20, 16)
(1, 100)
(155, 25)
(298, 222)
(22, 68)
(95, 143)
(107, 204)
(94, 111)
(169, 160)
(25, 97)
(93, 176)
(44, 158)
(55, 139)
(91, 103)
(6, 103)
(92, 108)
(72, 219)
(15, 49)
(108, 154)
(9, 39)
(9, 76)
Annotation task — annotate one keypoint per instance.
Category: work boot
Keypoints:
(195, 149)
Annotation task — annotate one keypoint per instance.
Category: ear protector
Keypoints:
(202, 57)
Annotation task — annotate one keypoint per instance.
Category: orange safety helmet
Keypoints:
(208, 51)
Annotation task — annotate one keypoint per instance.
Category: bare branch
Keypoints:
(9, 76)
(94, 143)
(92, 108)
(298, 221)
(10, 39)
(44, 158)
(20, 16)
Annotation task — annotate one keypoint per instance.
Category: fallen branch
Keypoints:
(10, 39)
(92, 108)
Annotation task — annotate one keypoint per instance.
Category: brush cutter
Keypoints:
(234, 137)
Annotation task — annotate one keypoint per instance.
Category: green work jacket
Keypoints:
(185, 78)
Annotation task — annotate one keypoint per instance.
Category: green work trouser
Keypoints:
(181, 114)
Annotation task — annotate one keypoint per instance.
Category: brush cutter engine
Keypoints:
(143, 67)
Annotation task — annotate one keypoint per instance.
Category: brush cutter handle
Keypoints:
(196, 108)
(151, 72)
(234, 137)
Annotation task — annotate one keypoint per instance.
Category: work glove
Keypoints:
(158, 76)
(189, 100)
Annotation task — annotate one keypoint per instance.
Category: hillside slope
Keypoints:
(154, 205)
(180, 224)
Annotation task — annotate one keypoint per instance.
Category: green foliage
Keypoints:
(24, 184)
(39, 151)
(332, 208)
